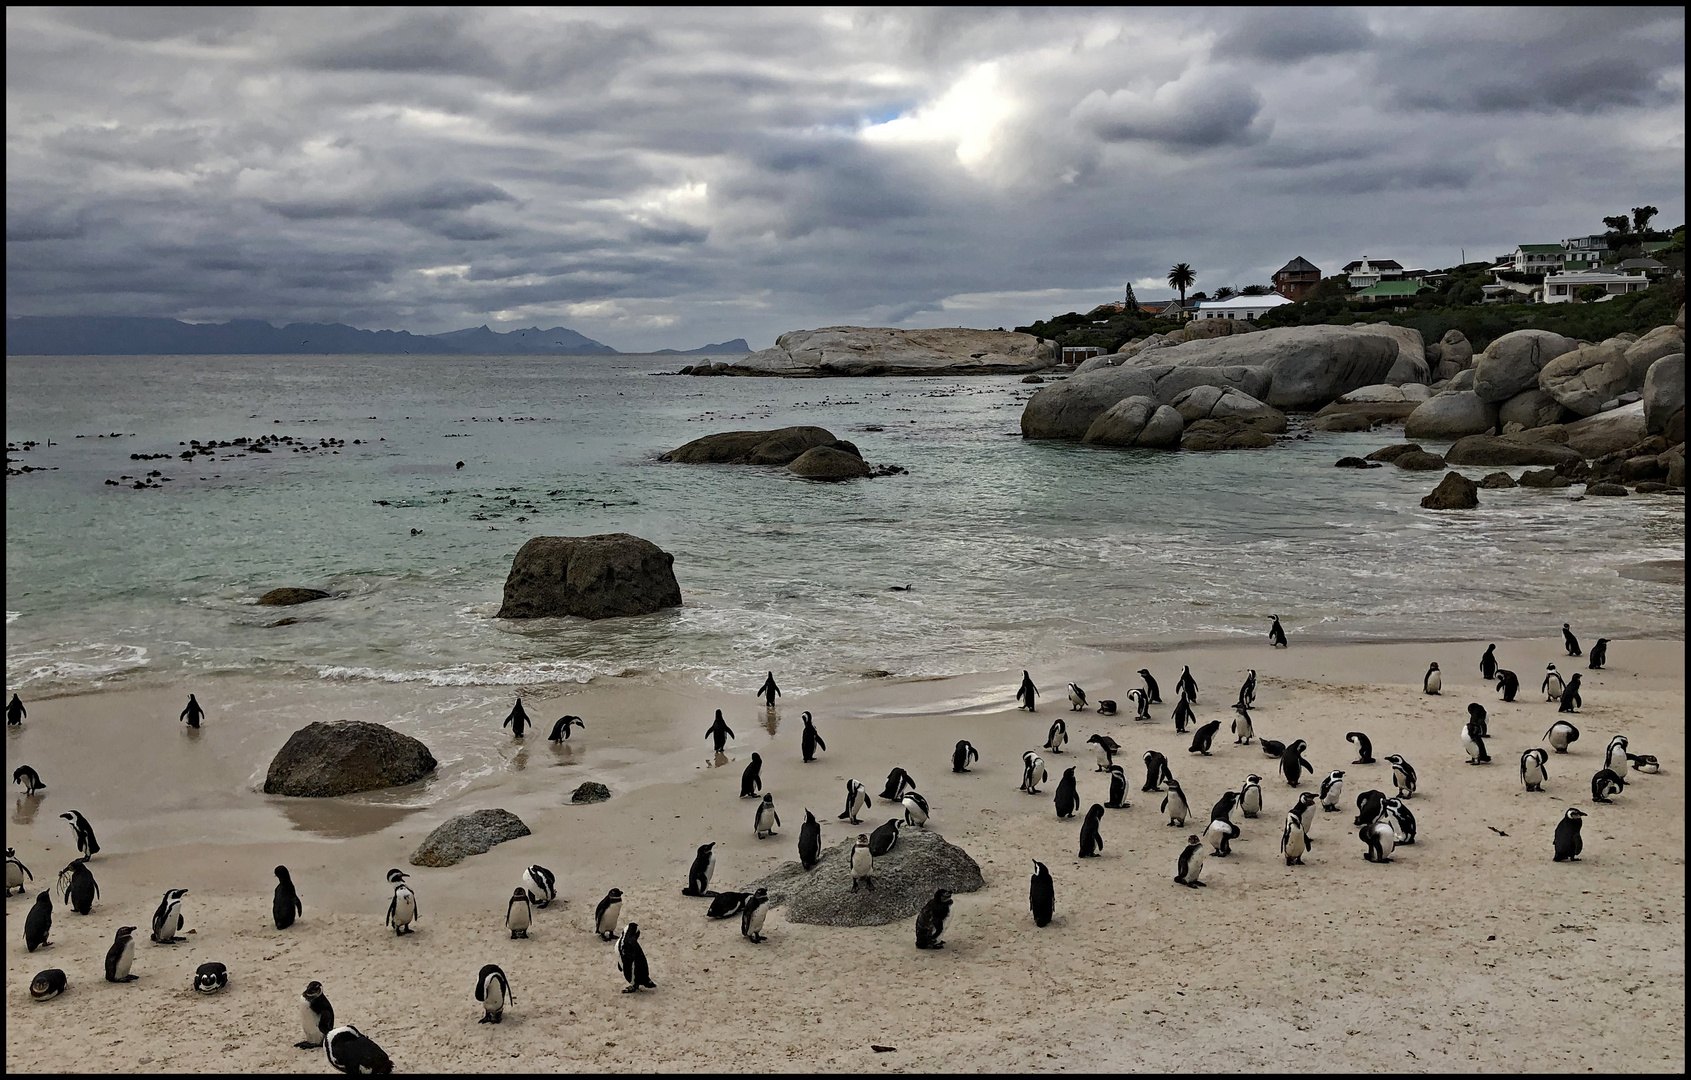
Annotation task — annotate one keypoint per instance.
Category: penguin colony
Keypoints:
(1385, 824)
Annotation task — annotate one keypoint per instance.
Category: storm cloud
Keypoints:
(662, 178)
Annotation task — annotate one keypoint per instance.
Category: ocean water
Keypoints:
(1012, 551)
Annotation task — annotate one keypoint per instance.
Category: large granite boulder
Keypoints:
(1450, 416)
(1664, 395)
(1487, 450)
(1582, 380)
(1233, 433)
(1205, 329)
(1455, 348)
(288, 595)
(777, 447)
(1660, 342)
(1379, 402)
(1411, 363)
(1393, 452)
(327, 759)
(1511, 364)
(468, 834)
(1530, 409)
(1066, 409)
(1455, 492)
(1608, 432)
(596, 577)
(1224, 403)
(1341, 422)
(1462, 380)
(1305, 366)
(1413, 393)
(1155, 341)
(1091, 363)
(1136, 421)
(828, 463)
(905, 879)
(879, 350)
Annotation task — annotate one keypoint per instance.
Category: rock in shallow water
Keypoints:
(289, 595)
(905, 879)
(328, 759)
(828, 463)
(1418, 461)
(596, 577)
(1455, 492)
(466, 835)
(1497, 480)
(777, 446)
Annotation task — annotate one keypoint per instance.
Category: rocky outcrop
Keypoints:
(1206, 329)
(1582, 380)
(1511, 364)
(1356, 463)
(1660, 342)
(776, 447)
(1530, 409)
(1412, 393)
(1066, 409)
(905, 879)
(1395, 451)
(1455, 492)
(1134, 348)
(1487, 450)
(1305, 366)
(468, 834)
(1496, 480)
(1461, 381)
(1450, 416)
(595, 577)
(866, 350)
(1602, 489)
(1227, 403)
(1418, 461)
(1664, 396)
(1454, 348)
(1343, 421)
(322, 760)
(1136, 421)
(289, 595)
(590, 792)
(1232, 434)
(1608, 432)
(1411, 363)
(828, 463)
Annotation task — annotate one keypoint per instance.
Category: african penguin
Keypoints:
(39, 922)
(1599, 654)
(1104, 749)
(1293, 764)
(1151, 692)
(211, 977)
(1276, 635)
(1570, 642)
(121, 956)
(1077, 698)
(86, 845)
(1219, 836)
(1402, 821)
(631, 958)
(857, 799)
(1561, 734)
(15, 712)
(1305, 809)
(1058, 736)
(1174, 804)
(518, 719)
(810, 840)
(285, 904)
(1187, 685)
(29, 778)
(316, 1016)
(963, 756)
(1369, 806)
(1292, 842)
(1364, 748)
(1156, 771)
(898, 782)
(541, 885)
(1118, 789)
(1403, 775)
(862, 864)
(1488, 663)
(1033, 772)
(719, 732)
(352, 1052)
(766, 820)
(561, 730)
(402, 908)
(1533, 772)
(769, 691)
(915, 810)
(1243, 732)
(1644, 763)
(47, 985)
(1182, 714)
(16, 872)
(605, 915)
(812, 739)
(1271, 747)
(1141, 704)
(1067, 798)
(1553, 684)
(1604, 783)
(930, 924)
(699, 874)
(1477, 717)
(753, 915)
(1202, 738)
(1250, 796)
(1332, 789)
(1106, 707)
(1042, 894)
(1248, 690)
(167, 920)
(493, 990)
(1568, 841)
(519, 914)
(726, 904)
(1432, 682)
(882, 839)
(77, 887)
(192, 712)
(1570, 695)
(1191, 864)
(1026, 692)
(1379, 841)
(1473, 744)
(1507, 684)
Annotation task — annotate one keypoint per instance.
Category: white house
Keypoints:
(1562, 288)
(1240, 307)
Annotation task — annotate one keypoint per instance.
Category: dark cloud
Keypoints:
(1288, 35)
(1202, 111)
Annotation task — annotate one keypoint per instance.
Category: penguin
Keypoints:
(1570, 696)
(1553, 684)
(1191, 864)
(1141, 704)
(352, 1052)
(1174, 804)
(1305, 809)
(1561, 733)
(1402, 821)
(121, 956)
(1369, 806)
(1042, 894)
(1332, 789)
(769, 691)
(1091, 842)
(85, 842)
(1364, 748)
(1105, 750)
(916, 809)
(810, 841)
(1570, 642)
(1488, 663)
(1077, 698)
(862, 864)
(1057, 737)
(884, 837)
(631, 958)
(1250, 796)
(1508, 684)
(1293, 763)
(402, 909)
(29, 778)
(519, 914)
(766, 820)
(16, 872)
(1293, 844)
(897, 782)
(1432, 682)
(493, 990)
(39, 922)
(561, 730)
(930, 924)
(1067, 798)
(1202, 738)
(1606, 782)
(1118, 789)
(1599, 654)
(1533, 772)
(1033, 772)
(1403, 775)
(1187, 686)
(811, 741)
(857, 799)
(1152, 694)
(285, 905)
(77, 887)
(1026, 692)
(316, 1016)
(726, 904)
(1644, 763)
(1243, 731)
(1473, 744)
(1276, 634)
(1156, 771)
(1379, 840)
(1106, 707)
(1568, 841)
(541, 886)
(751, 781)
(1248, 691)
(605, 915)
(192, 712)
(47, 985)
(211, 977)
(1182, 714)
(167, 920)
(699, 875)
(719, 731)
(1478, 719)
(15, 712)
(1220, 832)
(753, 915)
(963, 756)
(518, 720)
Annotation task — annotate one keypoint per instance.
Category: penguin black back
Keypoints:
(1067, 797)
(1508, 684)
(631, 957)
(29, 778)
(78, 887)
(963, 756)
(930, 924)
(1091, 840)
(1570, 695)
(1599, 654)
(812, 740)
(1042, 894)
(285, 905)
(1203, 737)
(751, 781)
(1364, 748)
(810, 841)
(1568, 842)
(1153, 694)
(1276, 634)
(39, 922)
(1488, 663)
(1187, 684)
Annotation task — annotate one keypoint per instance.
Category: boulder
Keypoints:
(1136, 421)
(1091, 363)
(1496, 480)
(596, 577)
(327, 759)
(1205, 329)
(1543, 478)
(1302, 367)
(1582, 380)
(1604, 489)
(1356, 463)
(1608, 432)
(1530, 409)
(1674, 459)
(1664, 394)
(1371, 410)
(1660, 342)
(1462, 380)
(1451, 416)
(1036, 379)
(777, 447)
(1418, 461)
(590, 792)
(1253, 382)
(879, 350)
(828, 463)
(905, 879)
(1411, 363)
(1455, 492)
(1395, 451)
(1341, 422)
(1488, 450)
(1064, 410)
(1643, 467)
(1445, 370)
(1155, 341)
(1230, 434)
(1224, 403)
(1550, 433)
(1454, 348)
(1413, 393)
(288, 595)
(1511, 364)
(468, 834)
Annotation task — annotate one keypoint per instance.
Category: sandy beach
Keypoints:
(1472, 950)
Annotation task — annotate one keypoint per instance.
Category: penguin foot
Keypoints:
(306, 1045)
(487, 1020)
(631, 990)
(650, 985)
(129, 978)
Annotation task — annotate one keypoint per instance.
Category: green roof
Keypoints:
(1540, 249)
(1390, 288)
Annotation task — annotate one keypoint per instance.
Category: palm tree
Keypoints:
(1181, 277)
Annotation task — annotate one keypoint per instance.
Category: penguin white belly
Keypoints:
(1386, 834)
(125, 959)
(1295, 844)
(404, 911)
(494, 997)
(754, 924)
(14, 876)
(608, 921)
(710, 867)
(1618, 763)
(1435, 682)
(1176, 809)
(765, 823)
(1470, 747)
(1216, 835)
(1195, 865)
(861, 862)
(518, 920)
(308, 1023)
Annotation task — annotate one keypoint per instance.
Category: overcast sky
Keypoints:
(666, 178)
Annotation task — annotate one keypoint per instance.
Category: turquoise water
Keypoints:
(1014, 550)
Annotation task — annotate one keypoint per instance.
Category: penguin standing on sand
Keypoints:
(631, 958)
(810, 841)
(29, 778)
(1332, 790)
(1599, 654)
(1105, 750)
(86, 845)
(752, 916)
(1203, 737)
(167, 920)
(354, 1053)
(1141, 704)
(192, 712)
(211, 977)
(1033, 772)
(1243, 731)
(719, 731)
(1077, 698)
(1379, 841)
(1250, 796)
(1191, 864)
(1561, 733)
(810, 741)
(518, 719)
(541, 885)
(1305, 809)
(39, 922)
(316, 1016)
(15, 712)
(1187, 685)
(1508, 684)
(285, 905)
(16, 872)
(1182, 714)
(699, 874)
(1488, 663)
(1118, 789)
(1553, 684)
(1293, 843)
(1403, 775)
(1091, 841)
(605, 915)
(402, 909)
(1402, 821)
(1533, 771)
(1473, 744)
(1152, 693)
(964, 756)
(1276, 634)
(766, 820)
(1477, 717)
(519, 913)
(857, 800)
(1432, 682)
(1068, 796)
(1570, 696)
(862, 863)
(1616, 757)
(1293, 764)
(1057, 737)
(1156, 771)
(915, 809)
(1248, 690)
(1369, 806)
(561, 730)
(1568, 841)
(1026, 693)
(930, 924)
(898, 781)
(121, 956)
(1042, 894)
(1605, 783)
(77, 887)
(1364, 748)
(47, 985)
(751, 781)
(1570, 642)
(1174, 804)
(769, 691)
(493, 990)
(1220, 832)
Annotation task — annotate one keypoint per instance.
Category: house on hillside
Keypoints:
(1296, 278)
(1240, 307)
(1168, 309)
(1538, 258)
(1564, 288)
(1365, 272)
(1390, 290)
